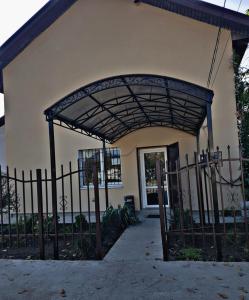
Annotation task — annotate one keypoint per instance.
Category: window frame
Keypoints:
(111, 185)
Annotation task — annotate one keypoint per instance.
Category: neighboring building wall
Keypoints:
(2, 148)
(96, 39)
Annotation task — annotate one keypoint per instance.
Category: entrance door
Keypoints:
(148, 180)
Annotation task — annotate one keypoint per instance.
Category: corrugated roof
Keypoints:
(111, 108)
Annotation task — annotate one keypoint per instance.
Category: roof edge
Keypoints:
(201, 11)
(38, 23)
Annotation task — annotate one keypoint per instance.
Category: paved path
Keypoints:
(131, 270)
(141, 242)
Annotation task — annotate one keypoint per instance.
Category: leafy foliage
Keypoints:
(8, 200)
(120, 217)
(190, 254)
(81, 222)
(175, 220)
(86, 246)
(242, 101)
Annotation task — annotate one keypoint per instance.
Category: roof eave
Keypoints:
(46, 16)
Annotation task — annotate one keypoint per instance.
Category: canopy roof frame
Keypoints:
(200, 99)
(110, 108)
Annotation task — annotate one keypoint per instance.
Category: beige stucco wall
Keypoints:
(95, 39)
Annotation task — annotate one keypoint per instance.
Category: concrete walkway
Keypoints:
(132, 270)
(138, 243)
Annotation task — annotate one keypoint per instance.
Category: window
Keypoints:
(113, 165)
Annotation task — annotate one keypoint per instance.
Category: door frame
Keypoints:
(141, 187)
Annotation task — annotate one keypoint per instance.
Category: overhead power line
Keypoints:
(224, 50)
(214, 53)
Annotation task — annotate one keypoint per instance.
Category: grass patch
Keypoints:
(190, 254)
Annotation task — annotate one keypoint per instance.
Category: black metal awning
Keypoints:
(111, 108)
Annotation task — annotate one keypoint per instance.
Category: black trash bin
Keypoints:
(130, 202)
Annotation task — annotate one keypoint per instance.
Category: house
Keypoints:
(132, 76)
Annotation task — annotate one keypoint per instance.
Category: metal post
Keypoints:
(40, 213)
(213, 182)
(97, 211)
(105, 175)
(161, 210)
(199, 182)
(54, 187)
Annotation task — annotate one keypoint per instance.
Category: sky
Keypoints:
(14, 13)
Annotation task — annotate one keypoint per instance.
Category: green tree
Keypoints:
(242, 102)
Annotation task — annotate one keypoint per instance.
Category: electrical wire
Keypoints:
(214, 53)
(224, 50)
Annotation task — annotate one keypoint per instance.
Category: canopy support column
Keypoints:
(105, 175)
(213, 181)
(53, 186)
(199, 182)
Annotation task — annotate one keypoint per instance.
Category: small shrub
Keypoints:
(190, 254)
(119, 217)
(130, 214)
(246, 254)
(112, 218)
(186, 219)
(80, 220)
(86, 246)
(48, 223)
(232, 239)
(32, 224)
(9, 198)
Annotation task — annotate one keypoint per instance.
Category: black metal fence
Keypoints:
(30, 229)
(207, 212)
(35, 222)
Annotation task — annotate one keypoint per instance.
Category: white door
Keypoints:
(148, 180)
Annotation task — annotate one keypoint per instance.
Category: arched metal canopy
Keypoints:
(111, 108)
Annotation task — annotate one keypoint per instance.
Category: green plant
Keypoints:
(81, 222)
(246, 253)
(232, 239)
(32, 224)
(119, 218)
(48, 223)
(185, 219)
(9, 198)
(130, 215)
(86, 246)
(190, 254)
(242, 103)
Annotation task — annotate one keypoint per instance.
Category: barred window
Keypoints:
(113, 165)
